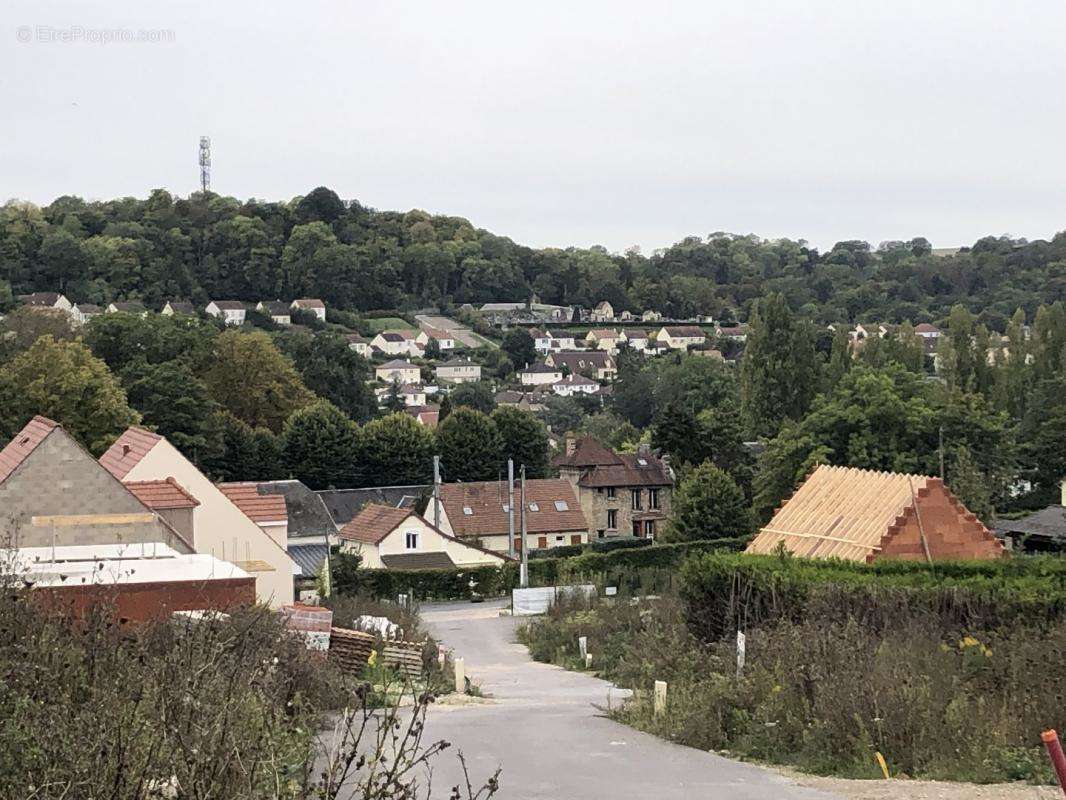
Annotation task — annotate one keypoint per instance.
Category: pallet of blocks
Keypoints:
(350, 649)
(404, 657)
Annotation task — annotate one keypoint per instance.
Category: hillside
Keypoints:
(358, 258)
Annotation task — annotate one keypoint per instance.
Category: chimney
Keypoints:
(644, 450)
(571, 446)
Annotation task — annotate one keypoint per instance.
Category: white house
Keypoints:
(596, 363)
(681, 337)
(398, 538)
(575, 383)
(83, 312)
(927, 331)
(736, 332)
(219, 527)
(358, 343)
(398, 343)
(314, 305)
(445, 340)
(175, 308)
(651, 316)
(132, 307)
(397, 370)
(48, 300)
(635, 338)
(231, 312)
(562, 340)
(278, 311)
(603, 312)
(540, 375)
(542, 340)
(603, 339)
(458, 370)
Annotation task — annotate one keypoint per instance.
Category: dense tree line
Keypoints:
(245, 404)
(357, 258)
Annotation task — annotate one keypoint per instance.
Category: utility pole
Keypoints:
(523, 573)
(436, 492)
(940, 449)
(510, 507)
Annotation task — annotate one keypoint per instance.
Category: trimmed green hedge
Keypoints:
(723, 592)
(454, 584)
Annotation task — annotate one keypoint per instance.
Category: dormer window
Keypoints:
(561, 505)
(534, 507)
(468, 511)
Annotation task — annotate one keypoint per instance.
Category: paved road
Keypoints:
(542, 728)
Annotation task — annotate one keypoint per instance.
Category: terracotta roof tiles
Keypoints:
(128, 450)
(257, 505)
(373, 523)
(486, 502)
(162, 494)
(25, 442)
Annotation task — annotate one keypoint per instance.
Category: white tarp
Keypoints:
(527, 602)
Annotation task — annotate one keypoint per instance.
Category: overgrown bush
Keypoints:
(225, 708)
(825, 694)
(723, 593)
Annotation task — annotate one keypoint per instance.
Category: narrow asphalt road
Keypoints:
(543, 729)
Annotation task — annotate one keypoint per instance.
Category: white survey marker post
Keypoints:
(740, 654)
(460, 675)
(660, 697)
(583, 646)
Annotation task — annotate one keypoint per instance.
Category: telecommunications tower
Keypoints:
(205, 163)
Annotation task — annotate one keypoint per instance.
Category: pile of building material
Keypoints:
(350, 649)
(313, 623)
(404, 657)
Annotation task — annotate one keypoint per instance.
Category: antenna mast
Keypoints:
(205, 163)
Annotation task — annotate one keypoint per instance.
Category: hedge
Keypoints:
(454, 584)
(595, 546)
(722, 593)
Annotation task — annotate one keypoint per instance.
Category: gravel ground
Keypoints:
(923, 790)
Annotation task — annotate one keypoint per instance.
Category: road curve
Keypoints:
(543, 728)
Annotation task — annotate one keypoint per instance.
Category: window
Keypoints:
(642, 461)
(649, 528)
(412, 540)
(599, 534)
(468, 511)
(560, 505)
(559, 539)
(612, 518)
(653, 498)
(611, 492)
(534, 507)
(636, 499)
(506, 508)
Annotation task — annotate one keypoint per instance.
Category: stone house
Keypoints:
(621, 494)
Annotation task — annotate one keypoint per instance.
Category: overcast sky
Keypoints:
(570, 123)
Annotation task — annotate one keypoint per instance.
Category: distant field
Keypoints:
(388, 323)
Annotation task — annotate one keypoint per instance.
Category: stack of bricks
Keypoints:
(350, 649)
(404, 657)
(313, 623)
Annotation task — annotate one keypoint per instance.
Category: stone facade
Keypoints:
(60, 479)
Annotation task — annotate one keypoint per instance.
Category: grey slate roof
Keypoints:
(343, 504)
(308, 515)
(418, 561)
(309, 557)
(1048, 523)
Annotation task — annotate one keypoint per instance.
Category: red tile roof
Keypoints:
(257, 506)
(162, 494)
(25, 442)
(486, 501)
(588, 452)
(373, 523)
(128, 450)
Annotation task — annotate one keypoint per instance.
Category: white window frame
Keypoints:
(411, 540)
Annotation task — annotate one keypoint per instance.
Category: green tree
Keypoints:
(470, 446)
(519, 347)
(321, 447)
(708, 504)
(524, 439)
(477, 395)
(779, 372)
(64, 381)
(397, 452)
(175, 403)
(971, 486)
(253, 381)
(333, 371)
(24, 326)
(246, 454)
